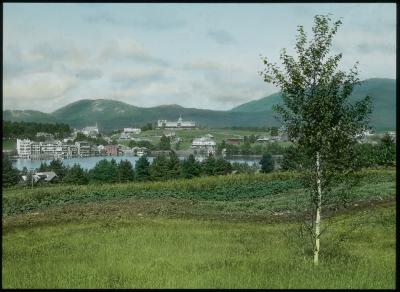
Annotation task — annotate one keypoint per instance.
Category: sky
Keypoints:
(195, 55)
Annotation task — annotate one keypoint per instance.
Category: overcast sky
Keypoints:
(194, 55)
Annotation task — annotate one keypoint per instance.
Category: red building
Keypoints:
(234, 141)
(111, 150)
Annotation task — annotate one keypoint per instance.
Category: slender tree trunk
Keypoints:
(318, 211)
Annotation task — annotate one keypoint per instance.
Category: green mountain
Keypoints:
(111, 114)
(28, 116)
(382, 91)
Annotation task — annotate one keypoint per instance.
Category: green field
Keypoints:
(9, 144)
(214, 232)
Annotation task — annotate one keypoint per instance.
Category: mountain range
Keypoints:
(111, 114)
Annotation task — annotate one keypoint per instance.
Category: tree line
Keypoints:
(29, 129)
(163, 167)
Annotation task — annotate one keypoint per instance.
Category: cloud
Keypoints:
(159, 21)
(128, 49)
(89, 73)
(221, 36)
(40, 89)
(137, 78)
(384, 48)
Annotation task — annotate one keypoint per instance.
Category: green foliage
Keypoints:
(43, 167)
(165, 143)
(142, 169)
(76, 176)
(104, 171)
(29, 129)
(276, 191)
(10, 173)
(96, 141)
(174, 165)
(146, 144)
(190, 167)
(159, 168)
(267, 164)
(125, 171)
(57, 166)
(147, 127)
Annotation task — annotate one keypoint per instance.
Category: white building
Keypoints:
(90, 131)
(45, 135)
(180, 124)
(132, 130)
(24, 148)
(204, 144)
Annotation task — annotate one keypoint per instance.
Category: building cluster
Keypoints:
(91, 132)
(180, 124)
(28, 149)
(204, 144)
(128, 134)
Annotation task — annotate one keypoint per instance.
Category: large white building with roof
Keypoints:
(180, 124)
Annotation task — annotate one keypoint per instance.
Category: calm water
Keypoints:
(90, 162)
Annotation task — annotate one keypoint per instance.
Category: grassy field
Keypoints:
(9, 144)
(214, 232)
(142, 252)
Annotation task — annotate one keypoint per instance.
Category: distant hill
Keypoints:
(111, 114)
(28, 116)
(382, 91)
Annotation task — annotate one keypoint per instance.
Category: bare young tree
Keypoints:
(316, 112)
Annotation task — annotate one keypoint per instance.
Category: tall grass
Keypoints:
(139, 252)
(275, 191)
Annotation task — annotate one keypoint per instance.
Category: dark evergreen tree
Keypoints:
(76, 175)
(174, 165)
(190, 167)
(105, 171)
(125, 171)
(57, 166)
(43, 167)
(165, 143)
(10, 173)
(142, 169)
(222, 167)
(159, 168)
(208, 165)
(267, 164)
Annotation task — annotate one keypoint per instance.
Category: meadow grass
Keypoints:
(254, 193)
(109, 251)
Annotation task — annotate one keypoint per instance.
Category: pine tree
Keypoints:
(165, 143)
(267, 164)
(208, 165)
(142, 169)
(76, 175)
(57, 166)
(174, 165)
(159, 168)
(190, 167)
(10, 173)
(125, 171)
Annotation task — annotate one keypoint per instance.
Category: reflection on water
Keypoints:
(90, 162)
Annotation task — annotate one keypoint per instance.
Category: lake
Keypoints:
(90, 162)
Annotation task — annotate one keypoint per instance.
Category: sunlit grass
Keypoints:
(142, 252)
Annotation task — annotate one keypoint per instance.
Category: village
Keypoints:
(183, 136)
